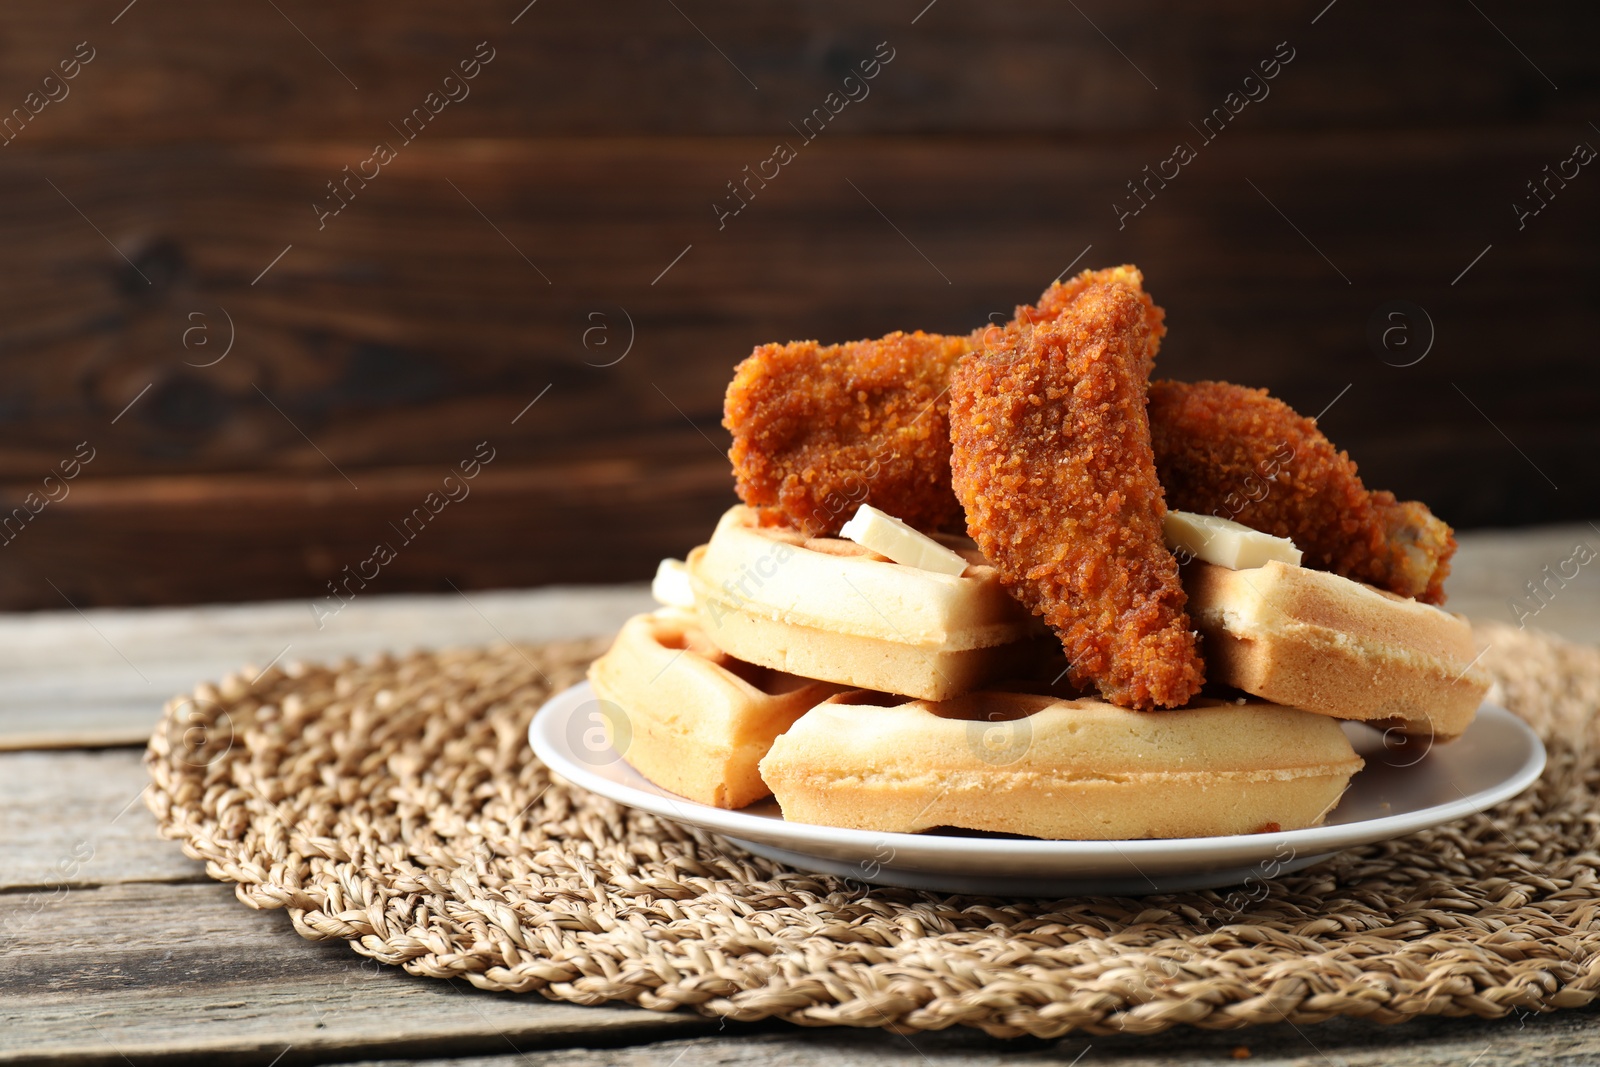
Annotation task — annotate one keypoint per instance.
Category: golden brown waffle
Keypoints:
(1046, 767)
(686, 715)
(827, 608)
(1314, 640)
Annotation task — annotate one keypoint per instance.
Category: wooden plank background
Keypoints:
(568, 201)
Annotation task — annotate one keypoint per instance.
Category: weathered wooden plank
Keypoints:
(354, 341)
(1493, 568)
(1566, 1037)
(362, 344)
(166, 972)
(642, 67)
(174, 971)
(239, 538)
(101, 678)
(78, 818)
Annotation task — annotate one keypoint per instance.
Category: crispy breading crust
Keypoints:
(1051, 457)
(820, 429)
(1227, 450)
(1062, 295)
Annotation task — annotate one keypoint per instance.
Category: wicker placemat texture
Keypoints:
(396, 804)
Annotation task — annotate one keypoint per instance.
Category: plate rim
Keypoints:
(1224, 848)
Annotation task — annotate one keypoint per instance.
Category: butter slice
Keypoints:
(888, 536)
(671, 586)
(1224, 542)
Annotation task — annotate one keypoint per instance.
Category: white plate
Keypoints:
(1399, 792)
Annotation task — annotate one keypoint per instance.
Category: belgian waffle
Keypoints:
(1058, 768)
(827, 608)
(688, 716)
(1315, 640)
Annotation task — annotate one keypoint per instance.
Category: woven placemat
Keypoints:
(396, 804)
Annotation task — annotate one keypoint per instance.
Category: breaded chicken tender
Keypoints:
(1239, 453)
(819, 430)
(1062, 295)
(1051, 458)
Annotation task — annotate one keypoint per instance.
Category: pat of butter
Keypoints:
(1225, 542)
(888, 536)
(671, 585)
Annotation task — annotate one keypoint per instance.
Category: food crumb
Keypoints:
(1240, 1052)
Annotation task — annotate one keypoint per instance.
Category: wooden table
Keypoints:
(118, 949)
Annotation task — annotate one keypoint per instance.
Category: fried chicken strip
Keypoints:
(1051, 458)
(819, 430)
(1062, 295)
(1239, 453)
